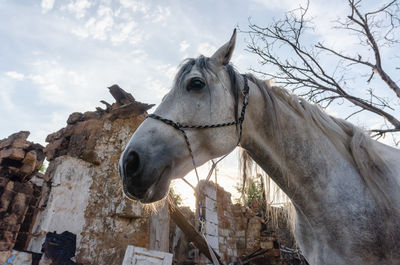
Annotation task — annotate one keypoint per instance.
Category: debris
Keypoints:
(60, 248)
(187, 228)
(136, 255)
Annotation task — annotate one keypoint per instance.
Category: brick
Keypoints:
(20, 204)
(29, 163)
(241, 243)
(5, 200)
(3, 182)
(266, 244)
(224, 232)
(240, 233)
(23, 187)
(7, 240)
(13, 153)
(14, 139)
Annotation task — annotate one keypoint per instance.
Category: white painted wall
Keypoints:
(67, 202)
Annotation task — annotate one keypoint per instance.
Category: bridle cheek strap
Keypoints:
(181, 127)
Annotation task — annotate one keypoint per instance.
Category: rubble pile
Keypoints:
(20, 189)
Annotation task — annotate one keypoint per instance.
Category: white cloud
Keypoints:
(206, 49)
(47, 5)
(280, 4)
(57, 84)
(78, 7)
(98, 28)
(15, 75)
(157, 87)
(7, 88)
(136, 5)
(183, 46)
(168, 70)
(124, 33)
(158, 14)
(117, 24)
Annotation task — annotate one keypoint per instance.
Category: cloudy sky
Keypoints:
(58, 57)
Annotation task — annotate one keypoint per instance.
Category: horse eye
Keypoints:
(196, 84)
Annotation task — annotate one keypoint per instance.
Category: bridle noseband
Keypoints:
(181, 127)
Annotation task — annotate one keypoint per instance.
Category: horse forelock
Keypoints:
(203, 64)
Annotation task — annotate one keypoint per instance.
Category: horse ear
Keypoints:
(223, 55)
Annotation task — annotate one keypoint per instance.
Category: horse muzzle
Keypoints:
(143, 180)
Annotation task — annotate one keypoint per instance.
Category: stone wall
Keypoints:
(84, 194)
(234, 230)
(20, 188)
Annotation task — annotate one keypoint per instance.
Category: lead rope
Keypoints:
(181, 127)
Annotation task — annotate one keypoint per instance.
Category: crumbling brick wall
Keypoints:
(20, 187)
(84, 188)
(236, 229)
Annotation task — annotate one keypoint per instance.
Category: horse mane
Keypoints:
(351, 141)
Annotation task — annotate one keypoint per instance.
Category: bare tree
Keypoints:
(303, 68)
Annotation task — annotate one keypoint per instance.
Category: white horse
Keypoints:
(344, 185)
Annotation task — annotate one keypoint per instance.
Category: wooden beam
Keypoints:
(188, 229)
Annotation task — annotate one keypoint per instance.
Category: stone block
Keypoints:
(7, 240)
(11, 219)
(266, 244)
(211, 228)
(3, 182)
(211, 216)
(224, 232)
(129, 209)
(230, 252)
(12, 153)
(252, 243)
(241, 243)
(23, 187)
(20, 143)
(210, 204)
(6, 199)
(14, 139)
(222, 248)
(240, 233)
(20, 204)
(75, 117)
(29, 163)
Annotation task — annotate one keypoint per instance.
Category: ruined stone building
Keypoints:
(81, 193)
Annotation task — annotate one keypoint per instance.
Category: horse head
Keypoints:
(204, 92)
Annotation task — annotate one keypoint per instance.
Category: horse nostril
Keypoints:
(132, 163)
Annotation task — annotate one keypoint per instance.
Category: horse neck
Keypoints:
(297, 156)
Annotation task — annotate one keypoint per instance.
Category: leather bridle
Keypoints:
(182, 127)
